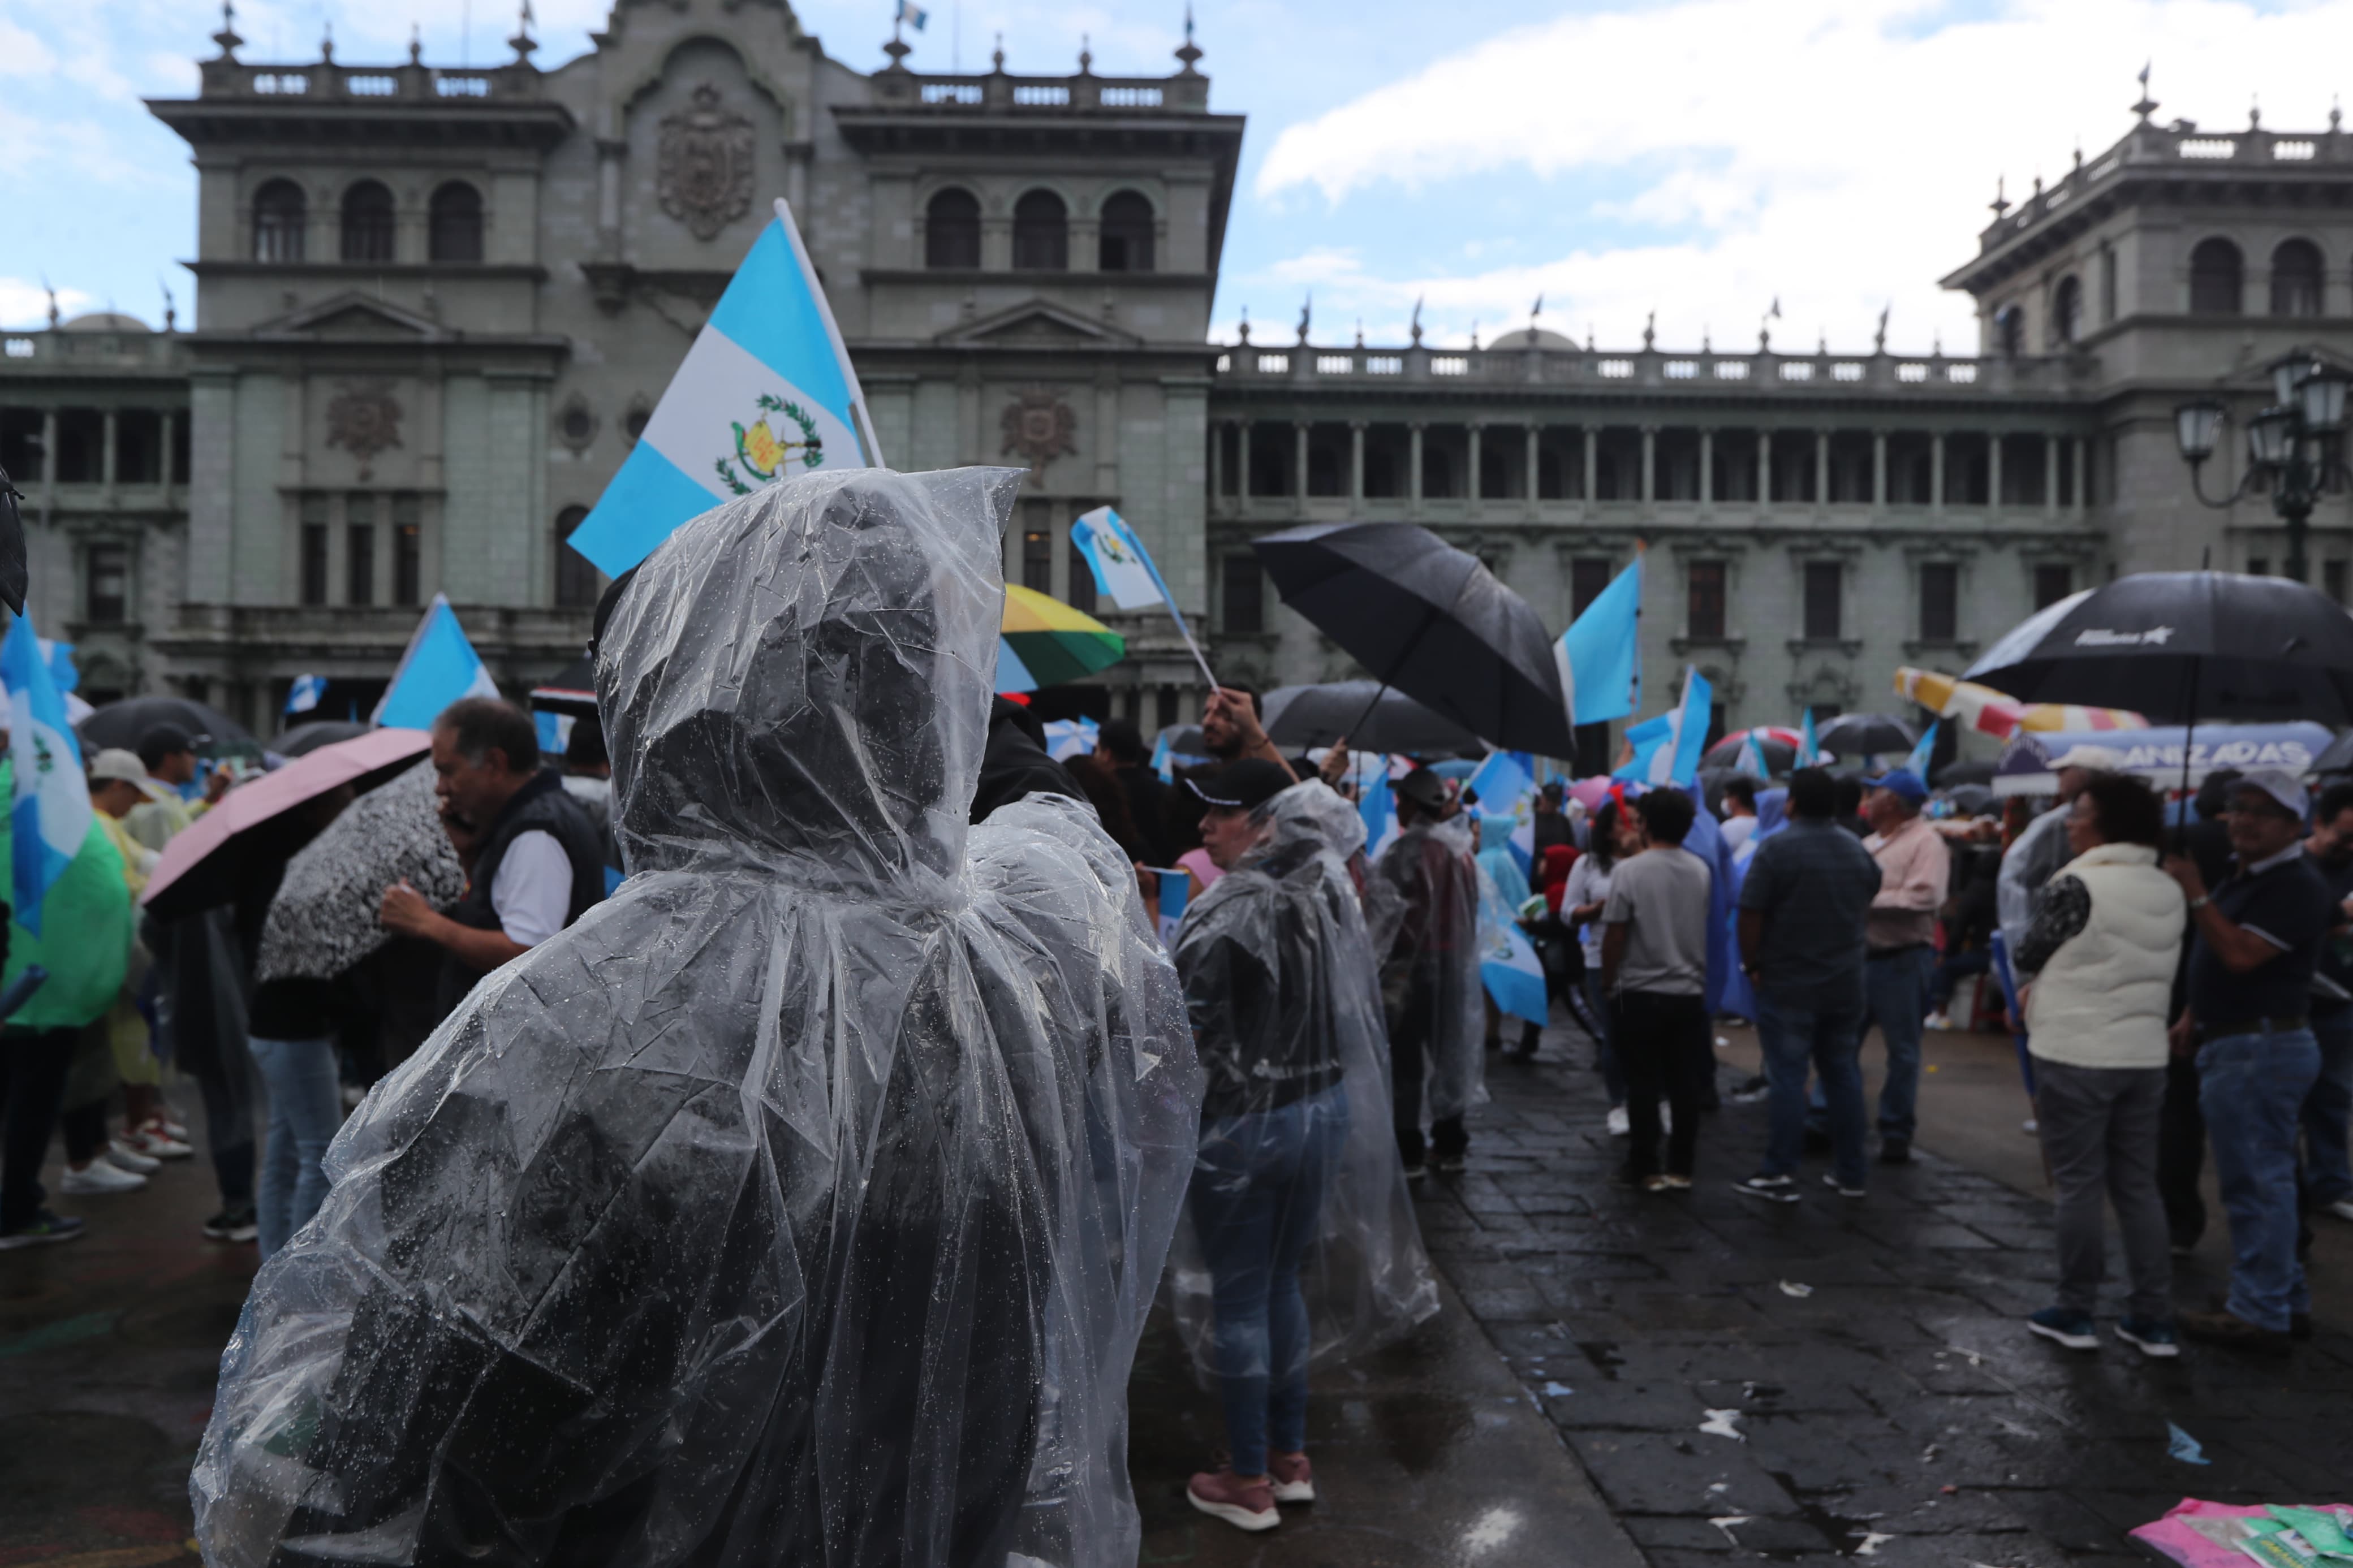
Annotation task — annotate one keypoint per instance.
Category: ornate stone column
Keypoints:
(1706, 467)
(1878, 469)
(1357, 462)
(1936, 472)
(1993, 472)
(1470, 481)
(1413, 469)
(1299, 469)
(1764, 470)
(1650, 464)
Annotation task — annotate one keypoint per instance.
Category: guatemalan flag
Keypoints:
(52, 810)
(439, 668)
(766, 392)
(305, 694)
(1506, 783)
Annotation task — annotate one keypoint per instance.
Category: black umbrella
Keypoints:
(123, 723)
(2182, 646)
(1864, 735)
(15, 576)
(1371, 717)
(2336, 757)
(1970, 798)
(1780, 755)
(302, 740)
(1432, 622)
(573, 691)
(1972, 772)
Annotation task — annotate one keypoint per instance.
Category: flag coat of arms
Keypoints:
(50, 815)
(766, 392)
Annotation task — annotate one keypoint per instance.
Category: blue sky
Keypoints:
(1701, 159)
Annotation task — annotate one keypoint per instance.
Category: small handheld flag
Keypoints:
(305, 694)
(439, 668)
(51, 813)
(766, 392)
(1601, 655)
(1068, 738)
(1752, 758)
(1124, 574)
(1917, 762)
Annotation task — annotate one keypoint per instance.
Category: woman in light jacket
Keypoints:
(2104, 939)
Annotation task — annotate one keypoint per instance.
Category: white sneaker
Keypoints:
(2342, 1208)
(1936, 1021)
(156, 1141)
(99, 1176)
(1621, 1124)
(128, 1157)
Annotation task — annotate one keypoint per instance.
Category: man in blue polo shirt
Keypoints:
(2259, 936)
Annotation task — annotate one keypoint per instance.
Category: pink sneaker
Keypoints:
(1291, 1478)
(1245, 1505)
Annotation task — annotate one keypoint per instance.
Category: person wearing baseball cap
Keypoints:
(1899, 944)
(1429, 976)
(2251, 969)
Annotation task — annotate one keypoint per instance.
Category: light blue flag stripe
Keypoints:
(630, 519)
(784, 327)
(1600, 655)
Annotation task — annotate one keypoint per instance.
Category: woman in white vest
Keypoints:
(2101, 948)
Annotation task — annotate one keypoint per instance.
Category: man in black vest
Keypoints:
(539, 865)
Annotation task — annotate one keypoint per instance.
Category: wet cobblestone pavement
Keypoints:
(1847, 1378)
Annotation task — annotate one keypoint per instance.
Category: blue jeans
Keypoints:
(1257, 1193)
(2327, 1169)
(306, 1109)
(1613, 1076)
(1896, 997)
(2251, 1088)
(1828, 1041)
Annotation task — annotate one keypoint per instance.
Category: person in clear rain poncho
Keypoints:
(1298, 1242)
(1429, 940)
(800, 1205)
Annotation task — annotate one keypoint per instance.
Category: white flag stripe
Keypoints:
(717, 389)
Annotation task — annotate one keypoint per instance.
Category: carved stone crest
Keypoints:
(1041, 427)
(363, 419)
(704, 177)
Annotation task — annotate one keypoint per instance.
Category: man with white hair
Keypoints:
(2039, 852)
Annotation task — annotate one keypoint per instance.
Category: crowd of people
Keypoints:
(860, 1117)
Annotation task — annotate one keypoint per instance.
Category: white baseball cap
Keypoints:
(2281, 787)
(114, 763)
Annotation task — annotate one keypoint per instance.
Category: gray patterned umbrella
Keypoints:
(323, 918)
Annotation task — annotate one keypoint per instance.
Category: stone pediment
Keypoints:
(354, 318)
(1038, 323)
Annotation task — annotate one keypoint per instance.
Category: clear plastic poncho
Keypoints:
(1280, 977)
(800, 1205)
(1430, 969)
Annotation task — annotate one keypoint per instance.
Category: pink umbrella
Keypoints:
(1590, 792)
(199, 869)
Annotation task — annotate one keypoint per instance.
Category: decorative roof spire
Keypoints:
(2148, 105)
(226, 37)
(1086, 56)
(1650, 330)
(2000, 203)
(52, 293)
(327, 43)
(1306, 314)
(171, 311)
(996, 56)
(415, 46)
(1417, 321)
(1360, 332)
(523, 43)
(1189, 55)
(2255, 113)
(2336, 114)
(1474, 334)
(1245, 327)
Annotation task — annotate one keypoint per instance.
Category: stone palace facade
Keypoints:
(436, 306)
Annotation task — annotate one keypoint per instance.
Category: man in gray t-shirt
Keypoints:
(1654, 969)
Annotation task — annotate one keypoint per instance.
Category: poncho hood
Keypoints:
(802, 677)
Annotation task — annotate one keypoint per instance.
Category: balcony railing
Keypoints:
(2182, 145)
(1506, 363)
(322, 82)
(999, 93)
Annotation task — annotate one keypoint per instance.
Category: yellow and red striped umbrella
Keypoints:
(1991, 712)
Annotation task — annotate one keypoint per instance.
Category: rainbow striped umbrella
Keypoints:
(1044, 642)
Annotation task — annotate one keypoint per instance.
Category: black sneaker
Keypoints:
(233, 1224)
(43, 1228)
(1772, 1189)
(1449, 1159)
(1895, 1150)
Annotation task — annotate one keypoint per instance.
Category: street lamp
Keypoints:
(2293, 447)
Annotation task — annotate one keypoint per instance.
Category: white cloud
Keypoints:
(1837, 153)
(22, 303)
(22, 54)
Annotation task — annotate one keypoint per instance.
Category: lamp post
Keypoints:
(2292, 447)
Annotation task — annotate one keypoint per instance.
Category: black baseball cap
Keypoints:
(165, 740)
(1424, 788)
(1244, 785)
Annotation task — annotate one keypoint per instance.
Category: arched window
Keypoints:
(1126, 243)
(456, 222)
(2010, 330)
(367, 223)
(952, 230)
(278, 214)
(1042, 234)
(2295, 278)
(576, 576)
(2067, 310)
(2214, 279)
